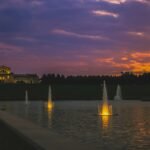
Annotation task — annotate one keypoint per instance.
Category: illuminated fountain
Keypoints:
(118, 95)
(50, 104)
(105, 109)
(26, 97)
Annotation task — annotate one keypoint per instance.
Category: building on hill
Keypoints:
(6, 76)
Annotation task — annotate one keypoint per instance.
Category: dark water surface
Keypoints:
(79, 120)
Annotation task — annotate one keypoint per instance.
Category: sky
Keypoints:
(75, 37)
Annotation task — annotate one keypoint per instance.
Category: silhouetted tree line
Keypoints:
(124, 78)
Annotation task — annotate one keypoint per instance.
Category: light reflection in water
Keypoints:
(49, 109)
(105, 121)
(104, 112)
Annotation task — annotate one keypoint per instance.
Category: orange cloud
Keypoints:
(140, 67)
(140, 55)
(104, 60)
(130, 61)
(121, 65)
(124, 58)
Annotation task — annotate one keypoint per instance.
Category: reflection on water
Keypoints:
(104, 117)
(129, 130)
(49, 106)
(105, 121)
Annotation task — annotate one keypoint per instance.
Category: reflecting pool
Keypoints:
(79, 120)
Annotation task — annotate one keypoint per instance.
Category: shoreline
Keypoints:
(61, 92)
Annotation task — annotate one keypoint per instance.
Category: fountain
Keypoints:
(50, 104)
(105, 109)
(118, 95)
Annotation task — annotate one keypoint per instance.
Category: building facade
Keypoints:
(6, 76)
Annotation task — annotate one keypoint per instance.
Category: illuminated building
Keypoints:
(6, 76)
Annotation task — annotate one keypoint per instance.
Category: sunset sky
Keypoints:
(87, 37)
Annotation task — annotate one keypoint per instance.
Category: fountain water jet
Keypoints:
(105, 109)
(50, 104)
(118, 95)
(26, 97)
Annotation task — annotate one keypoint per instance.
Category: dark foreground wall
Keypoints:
(13, 92)
(10, 139)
